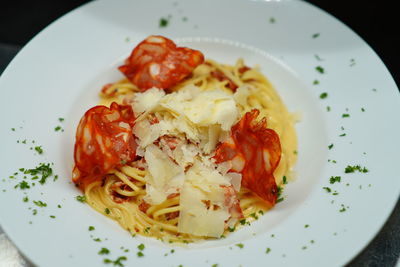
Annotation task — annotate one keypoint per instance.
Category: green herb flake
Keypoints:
(91, 228)
(23, 185)
(306, 225)
(140, 254)
(315, 82)
(315, 35)
(327, 189)
(104, 251)
(34, 211)
(343, 134)
(43, 169)
(81, 198)
(323, 95)
(284, 180)
(268, 250)
(61, 119)
(97, 239)
(57, 128)
(352, 62)
(343, 209)
(52, 216)
(345, 115)
(141, 246)
(163, 22)
(40, 203)
(214, 265)
(272, 20)
(352, 169)
(242, 221)
(240, 245)
(107, 211)
(231, 229)
(117, 262)
(25, 199)
(184, 19)
(39, 149)
(320, 69)
(334, 179)
(328, 108)
(13, 129)
(330, 146)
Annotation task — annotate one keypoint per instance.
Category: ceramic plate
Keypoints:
(345, 96)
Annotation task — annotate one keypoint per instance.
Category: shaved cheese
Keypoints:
(164, 178)
(147, 100)
(195, 218)
(203, 211)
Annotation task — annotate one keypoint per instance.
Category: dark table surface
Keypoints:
(375, 22)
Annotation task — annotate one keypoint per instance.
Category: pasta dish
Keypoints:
(184, 148)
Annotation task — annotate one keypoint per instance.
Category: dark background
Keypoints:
(375, 21)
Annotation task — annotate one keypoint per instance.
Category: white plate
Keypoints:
(58, 75)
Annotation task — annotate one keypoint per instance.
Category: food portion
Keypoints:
(183, 148)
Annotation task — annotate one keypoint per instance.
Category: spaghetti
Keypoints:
(183, 153)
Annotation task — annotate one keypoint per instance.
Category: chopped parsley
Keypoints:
(52, 216)
(107, 210)
(81, 198)
(330, 146)
(61, 119)
(315, 82)
(104, 251)
(272, 20)
(343, 209)
(141, 247)
(43, 169)
(140, 254)
(284, 179)
(363, 109)
(117, 262)
(40, 203)
(57, 128)
(240, 245)
(320, 69)
(163, 22)
(345, 115)
(315, 35)
(352, 169)
(327, 189)
(23, 185)
(268, 250)
(25, 199)
(39, 149)
(352, 62)
(91, 228)
(343, 134)
(306, 225)
(328, 108)
(231, 229)
(323, 95)
(13, 129)
(334, 179)
(243, 221)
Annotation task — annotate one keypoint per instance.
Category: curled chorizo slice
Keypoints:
(254, 151)
(158, 62)
(104, 140)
